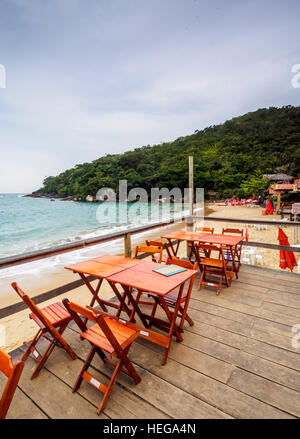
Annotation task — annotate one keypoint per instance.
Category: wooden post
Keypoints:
(295, 231)
(191, 185)
(278, 200)
(127, 245)
(190, 220)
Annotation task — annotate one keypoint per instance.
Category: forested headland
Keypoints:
(265, 141)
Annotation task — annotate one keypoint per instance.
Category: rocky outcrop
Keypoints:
(90, 198)
(67, 198)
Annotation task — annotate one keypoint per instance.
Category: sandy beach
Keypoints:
(18, 328)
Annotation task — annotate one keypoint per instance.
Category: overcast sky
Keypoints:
(89, 77)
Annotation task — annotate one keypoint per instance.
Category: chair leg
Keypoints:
(129, 366)
(185, 316)
(32, 345)
(110, 387)
(220, 285)
(43, 360)
(84, 368)
(153, 312)
(201, 278)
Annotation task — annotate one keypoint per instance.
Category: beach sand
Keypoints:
(18, 328)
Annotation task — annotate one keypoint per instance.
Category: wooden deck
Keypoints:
(237, 361)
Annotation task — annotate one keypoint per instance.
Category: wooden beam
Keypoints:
(278, 200)
(127, 245)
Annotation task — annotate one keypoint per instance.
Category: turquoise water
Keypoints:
(29, 224)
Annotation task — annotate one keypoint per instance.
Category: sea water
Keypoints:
(30, 224)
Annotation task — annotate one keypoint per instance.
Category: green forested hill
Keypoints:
(262, 142)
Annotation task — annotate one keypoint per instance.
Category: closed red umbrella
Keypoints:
(287, 259)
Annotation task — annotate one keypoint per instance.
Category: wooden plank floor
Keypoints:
(237, 361)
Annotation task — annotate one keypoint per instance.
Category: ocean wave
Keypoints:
(51, 264)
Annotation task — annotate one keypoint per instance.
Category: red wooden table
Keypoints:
(145, 280)
(101, 268)
(226, 240)
(183, 235)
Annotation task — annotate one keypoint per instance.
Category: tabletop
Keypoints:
(183, 235)
(215, 238)
(104, 266)
(142, 277)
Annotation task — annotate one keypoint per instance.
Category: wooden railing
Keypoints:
(126, 235)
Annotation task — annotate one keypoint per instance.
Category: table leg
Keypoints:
(122, 300)
(174, 251)
(136, 309)
(232, 251)
(173, 326)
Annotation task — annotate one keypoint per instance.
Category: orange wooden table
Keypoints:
(145, 280)
(101, 268)
(183, 235)
(226, 240)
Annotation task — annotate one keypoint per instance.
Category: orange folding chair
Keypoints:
(164, 247)
(237, 250)
(52, 321)
(13, 373)
(215, 267)
(172, 297)
(199, 229)
(155, 251)
(205, 229)
(106, 335)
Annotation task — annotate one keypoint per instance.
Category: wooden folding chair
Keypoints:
(106, 335)
(213, 266)
(52, 321)
(172, 297)
(199, 229)
(13, 373)
(164, 246)
(205, 229)
(155, 251)
(237, 250)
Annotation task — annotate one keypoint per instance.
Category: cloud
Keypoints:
(86, 81)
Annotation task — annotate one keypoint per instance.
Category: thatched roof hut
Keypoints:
(279, 177)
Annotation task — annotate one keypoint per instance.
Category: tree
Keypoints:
(255, 186)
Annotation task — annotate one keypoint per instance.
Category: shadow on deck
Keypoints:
(237, 361)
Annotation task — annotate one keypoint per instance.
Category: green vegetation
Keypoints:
(229, 158)
(255, 186)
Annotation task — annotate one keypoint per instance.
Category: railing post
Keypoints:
(190, 228)
(190, 219)
(295, 231)
(127, 245)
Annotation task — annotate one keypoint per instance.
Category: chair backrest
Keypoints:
(13, 373)
(152, 249)
(155, 243)
(205, 229)
(38, 313)
(182, 263)
(208, 248)
(31, 305)
(233, 231)
(76, 310)
(164, 245)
